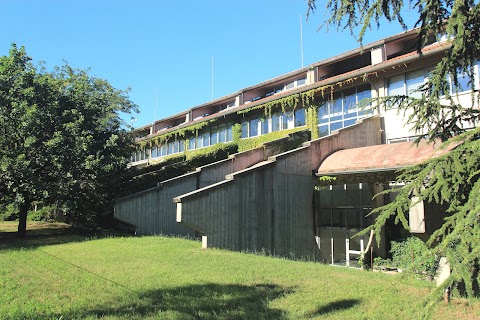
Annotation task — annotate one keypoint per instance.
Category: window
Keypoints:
(344, 111)
(214, 135)
(290, 85)
(229, 133)
(322, 114)
(275, 122)
(464, 83)
(350, 105)
(264, 126)
(414, 80)
(301, 82)
(335, 109)
(244, 129)
(299, 117)
(253, 127)
(154, 152)
(396, 85)
(191, 143)
(222, 132)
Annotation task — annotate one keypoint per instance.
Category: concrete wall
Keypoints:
(269, 206)
(153, 211)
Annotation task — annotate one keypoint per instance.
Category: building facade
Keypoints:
(273, 201)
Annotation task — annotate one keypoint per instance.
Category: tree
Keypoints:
(63, 141)
(452, 179)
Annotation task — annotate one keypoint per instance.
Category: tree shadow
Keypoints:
(202, 301)
(336, 306)
(51, 234)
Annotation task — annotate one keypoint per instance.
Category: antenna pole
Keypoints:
(301, 39)
(211, 97)
(156, 103)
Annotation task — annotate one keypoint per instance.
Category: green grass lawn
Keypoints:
(58, 273)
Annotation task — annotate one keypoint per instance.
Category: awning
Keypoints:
(377, 163)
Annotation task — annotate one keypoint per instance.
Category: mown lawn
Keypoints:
(57, 273)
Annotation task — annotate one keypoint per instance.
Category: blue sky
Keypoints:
(163, 50)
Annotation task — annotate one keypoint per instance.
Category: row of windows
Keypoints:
(338, 113)
(408, 83)
(207, 137)
(211, 136)
(344, 110)
(278, 121)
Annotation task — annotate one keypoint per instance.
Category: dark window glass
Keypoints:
(244, 129)
(275, 122)
(253, 126)
(299, 117)
(323, 131)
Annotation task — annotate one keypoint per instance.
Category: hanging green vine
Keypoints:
(289, 102)
(179, 133)
(237, 132)
(252, 143)
(312, 121)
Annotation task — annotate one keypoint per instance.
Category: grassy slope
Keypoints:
(156, 277)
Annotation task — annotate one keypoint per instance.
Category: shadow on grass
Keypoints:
(43, 234)
(336, 306)
(207, 301)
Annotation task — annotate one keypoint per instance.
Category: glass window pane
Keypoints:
(323, 131)
(349, 122)
(213, 135)
(222, 133)
(191, 144)
(244, 129)
(396, 85)
(199, 142)
(338, 195)
(182, 145)
(275, 122)
(350, 106)
(264, 126)
(354, 195)
(338, 217)
(253, 127)
(335, 109)
(170, 148)
(206, 139)
(299, 117)
(335, 126)
(229, 133)
(288, 121)
(363, 105)
(325, 197)
(414, 81)
(176, 146)
(301, 82)
(463, 83)
(326, 217)
(322, 114)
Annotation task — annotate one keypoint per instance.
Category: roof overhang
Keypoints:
(378, 163)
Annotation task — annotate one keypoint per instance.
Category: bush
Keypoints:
(46, 213)
(412, 256)
(8, 213)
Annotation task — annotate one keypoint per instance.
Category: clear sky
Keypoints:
(163, 50)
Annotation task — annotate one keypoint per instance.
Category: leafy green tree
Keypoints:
(62, 139)
(453, 179)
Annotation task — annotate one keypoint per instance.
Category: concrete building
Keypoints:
(268, 197)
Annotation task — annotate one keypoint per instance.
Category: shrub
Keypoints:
(412, 256)
(8, 213)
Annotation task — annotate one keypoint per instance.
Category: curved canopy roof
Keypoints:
(379, 158)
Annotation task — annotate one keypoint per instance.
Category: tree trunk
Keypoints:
(22, 219)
